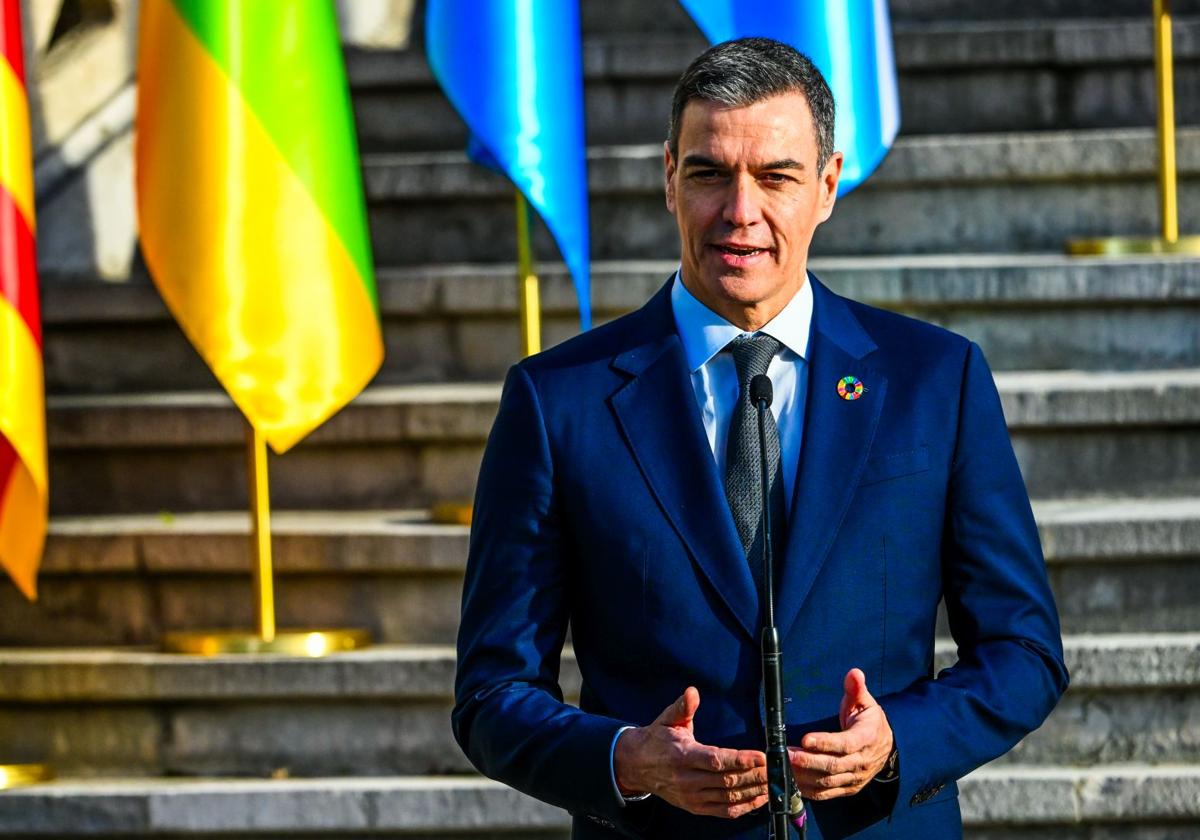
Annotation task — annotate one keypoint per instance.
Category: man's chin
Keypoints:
(745, 288)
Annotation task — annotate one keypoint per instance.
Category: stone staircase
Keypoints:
(1025, 122)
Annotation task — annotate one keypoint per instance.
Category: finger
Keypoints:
(727, 811)
(682, 711)
(832, 793)
(721, 759)
(836, 743)
(829, 763)
(819, 786)
(855, 696)
(728, 780)
(731, 796)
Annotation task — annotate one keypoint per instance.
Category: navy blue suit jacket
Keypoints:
(599, 506)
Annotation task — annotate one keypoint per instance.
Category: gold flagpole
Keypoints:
(1170, 241)
(260, 533)
(21, 775)
(1164, 78)
(527, 283)
(265, 638)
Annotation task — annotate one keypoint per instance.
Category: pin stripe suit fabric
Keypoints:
(599, 505)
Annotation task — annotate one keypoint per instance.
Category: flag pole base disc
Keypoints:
(451, 513)
(20, 775)
(311, 643)
(1119, 246)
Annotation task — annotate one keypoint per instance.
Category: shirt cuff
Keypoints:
(622, 799)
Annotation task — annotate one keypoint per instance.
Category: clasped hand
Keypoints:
(665, 759)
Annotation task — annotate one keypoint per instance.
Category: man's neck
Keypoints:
(751, 318)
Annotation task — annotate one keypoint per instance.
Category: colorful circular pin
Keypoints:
(850, 388)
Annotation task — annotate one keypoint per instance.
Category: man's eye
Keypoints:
(705, 174)
(776, 178)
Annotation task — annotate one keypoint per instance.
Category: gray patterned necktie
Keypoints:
(743, 478)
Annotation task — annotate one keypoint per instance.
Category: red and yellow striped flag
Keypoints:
(250, 203)
(23, 484)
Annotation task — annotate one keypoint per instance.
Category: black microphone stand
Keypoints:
(784, 803)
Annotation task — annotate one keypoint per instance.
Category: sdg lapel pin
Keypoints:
(851, 388)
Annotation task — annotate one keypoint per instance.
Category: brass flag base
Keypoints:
(313, 643)
(1119, 246)
(451, 513)
(20, 775)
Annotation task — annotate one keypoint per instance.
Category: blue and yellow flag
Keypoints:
(850, 41)
(513, 69)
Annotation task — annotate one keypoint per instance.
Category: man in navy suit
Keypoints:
(616, 497)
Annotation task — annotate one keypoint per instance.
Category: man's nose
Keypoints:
(742, 201)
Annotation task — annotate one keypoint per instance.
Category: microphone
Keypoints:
(761, 391)
(783, 802)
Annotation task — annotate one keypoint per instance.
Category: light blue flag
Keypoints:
(850, 41)
(514, 72)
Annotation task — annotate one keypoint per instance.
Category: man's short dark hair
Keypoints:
(748, 70)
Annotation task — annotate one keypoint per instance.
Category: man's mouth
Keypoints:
(740, 250)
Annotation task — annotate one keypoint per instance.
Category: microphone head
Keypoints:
(761, 390)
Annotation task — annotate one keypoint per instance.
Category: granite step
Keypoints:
(459, 322)
(637, 16)
(1131, 802)
(1121, 565)
(973, 193)
(386, 710)
(954, 77)
(1076, 433)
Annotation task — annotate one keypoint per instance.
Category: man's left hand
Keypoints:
(832, 764)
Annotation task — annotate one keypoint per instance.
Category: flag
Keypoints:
(514, 72)
(23, 482)
(850, 42)
(250, 204)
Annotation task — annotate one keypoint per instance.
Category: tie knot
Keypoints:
(752, 355)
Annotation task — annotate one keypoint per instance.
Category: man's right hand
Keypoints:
(665, 759)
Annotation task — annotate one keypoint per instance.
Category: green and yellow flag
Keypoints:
(250, 203)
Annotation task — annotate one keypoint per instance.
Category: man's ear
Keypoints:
(669, 175)
(829, 184)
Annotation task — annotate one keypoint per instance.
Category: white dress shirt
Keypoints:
(714, 378)
(705, 334)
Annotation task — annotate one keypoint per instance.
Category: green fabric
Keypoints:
(285, 56)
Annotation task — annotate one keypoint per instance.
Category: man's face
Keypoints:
(747, 196)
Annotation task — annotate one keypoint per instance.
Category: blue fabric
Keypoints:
(514, 72)
(850, 41)
(599, 504)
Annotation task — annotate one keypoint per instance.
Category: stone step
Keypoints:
(1022, 75)
(1124, 565)
(1132, 802)
(639, 16)
(975, 193)
(1123, 434)
(386, 710)
(459, 322)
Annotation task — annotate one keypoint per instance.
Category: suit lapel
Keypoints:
(837, 437)
(660, 420)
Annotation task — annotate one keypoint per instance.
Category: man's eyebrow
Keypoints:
(700, 160)
(785, 163)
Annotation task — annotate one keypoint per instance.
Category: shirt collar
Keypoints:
(704, 333)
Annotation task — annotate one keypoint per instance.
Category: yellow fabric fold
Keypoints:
(16, 175)
(24, 502)
(243, 257)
